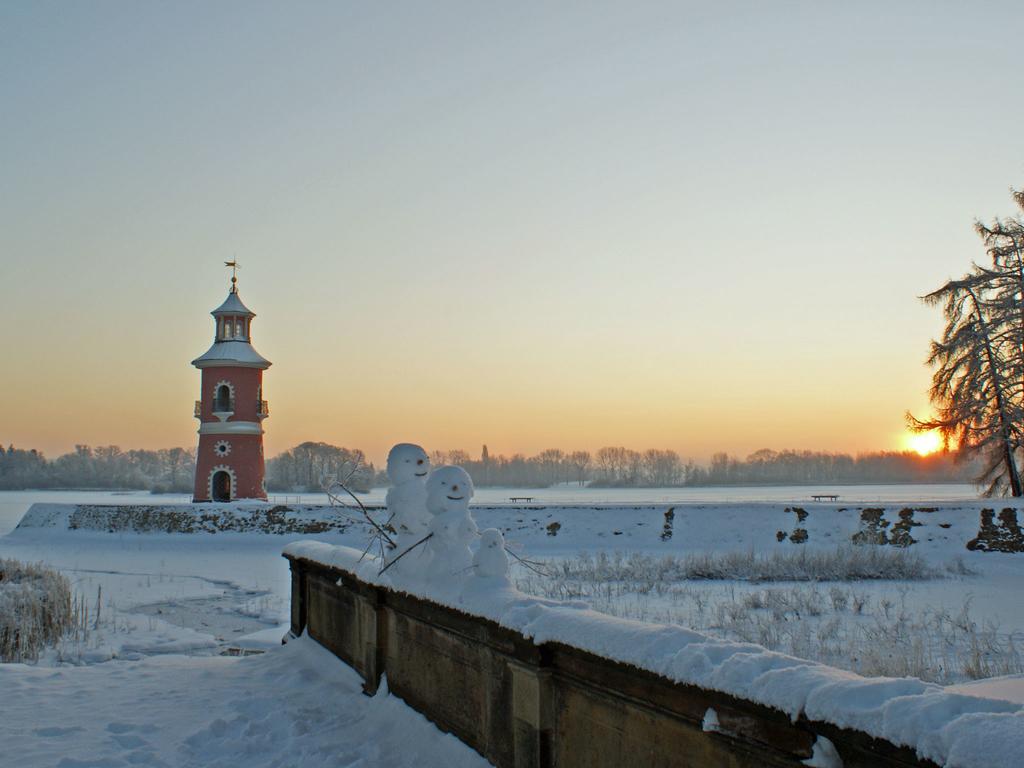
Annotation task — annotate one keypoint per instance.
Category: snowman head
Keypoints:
(492, 538)
(448, 489)
(407, 462)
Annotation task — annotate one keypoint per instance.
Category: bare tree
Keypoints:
(978, 384)
(551, 462)
(661, 468)
(305, 466)
(458, 457)
(580, 462)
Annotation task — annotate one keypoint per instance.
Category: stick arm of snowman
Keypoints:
(528, 564)
(531, 565)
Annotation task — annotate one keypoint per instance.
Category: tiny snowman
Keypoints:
(452, 528)
(490, 560)
(408, 466)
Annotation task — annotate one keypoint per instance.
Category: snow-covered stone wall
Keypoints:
(528, 681)
(187, 518)
(949, 529)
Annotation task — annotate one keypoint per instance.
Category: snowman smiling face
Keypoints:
(407, 462)
(448, 489)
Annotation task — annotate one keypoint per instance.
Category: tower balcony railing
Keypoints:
(262, 408)
(219, 407)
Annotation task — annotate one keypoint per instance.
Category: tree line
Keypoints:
(619, 467)
(309, 465)
(169, 470)
(172, 470)
(305, 467)
(978, 382)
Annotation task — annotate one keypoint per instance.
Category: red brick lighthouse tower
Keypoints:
(229, 462)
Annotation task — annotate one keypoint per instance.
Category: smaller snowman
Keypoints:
(491, 560)
(408, 467)
(452, 528)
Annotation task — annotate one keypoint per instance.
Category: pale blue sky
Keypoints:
(694, 226)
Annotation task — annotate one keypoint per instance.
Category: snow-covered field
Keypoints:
(297, 706)
(942, 613)
(170, 603)
(147, 684)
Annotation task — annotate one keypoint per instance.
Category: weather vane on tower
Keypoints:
(235, 266)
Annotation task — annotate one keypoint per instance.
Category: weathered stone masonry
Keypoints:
(528, 705)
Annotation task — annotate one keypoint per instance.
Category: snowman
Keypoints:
(452, 528)
(490, 560)
(408, 467)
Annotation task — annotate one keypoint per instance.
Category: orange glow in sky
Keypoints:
(685, 226)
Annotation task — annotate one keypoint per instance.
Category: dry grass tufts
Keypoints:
(36, 609)
(814, 605)
(849, 563)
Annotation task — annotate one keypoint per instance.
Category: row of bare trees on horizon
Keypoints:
(616, 466)
(305, 467)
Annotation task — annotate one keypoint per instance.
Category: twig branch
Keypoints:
(528, 564)
(380, 530)
(366, 551)
(403, 554)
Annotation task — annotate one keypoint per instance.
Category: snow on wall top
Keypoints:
(948, 727)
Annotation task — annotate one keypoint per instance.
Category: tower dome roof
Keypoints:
(237, 354)
(233, 306)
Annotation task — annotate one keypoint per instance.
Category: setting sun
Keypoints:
(923, 443)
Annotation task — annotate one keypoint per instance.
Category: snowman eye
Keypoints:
(420, 461)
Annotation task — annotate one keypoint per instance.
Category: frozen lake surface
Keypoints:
(14, 504)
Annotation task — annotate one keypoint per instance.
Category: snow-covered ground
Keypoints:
(169, 603)
(295, 706)
(147, 685)
(964, 620)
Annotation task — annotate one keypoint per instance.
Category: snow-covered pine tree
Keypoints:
(1004, 243)
(978, 384)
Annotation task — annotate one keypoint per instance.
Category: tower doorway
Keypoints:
(220, 486)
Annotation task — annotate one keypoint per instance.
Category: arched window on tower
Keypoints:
(222, 402)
